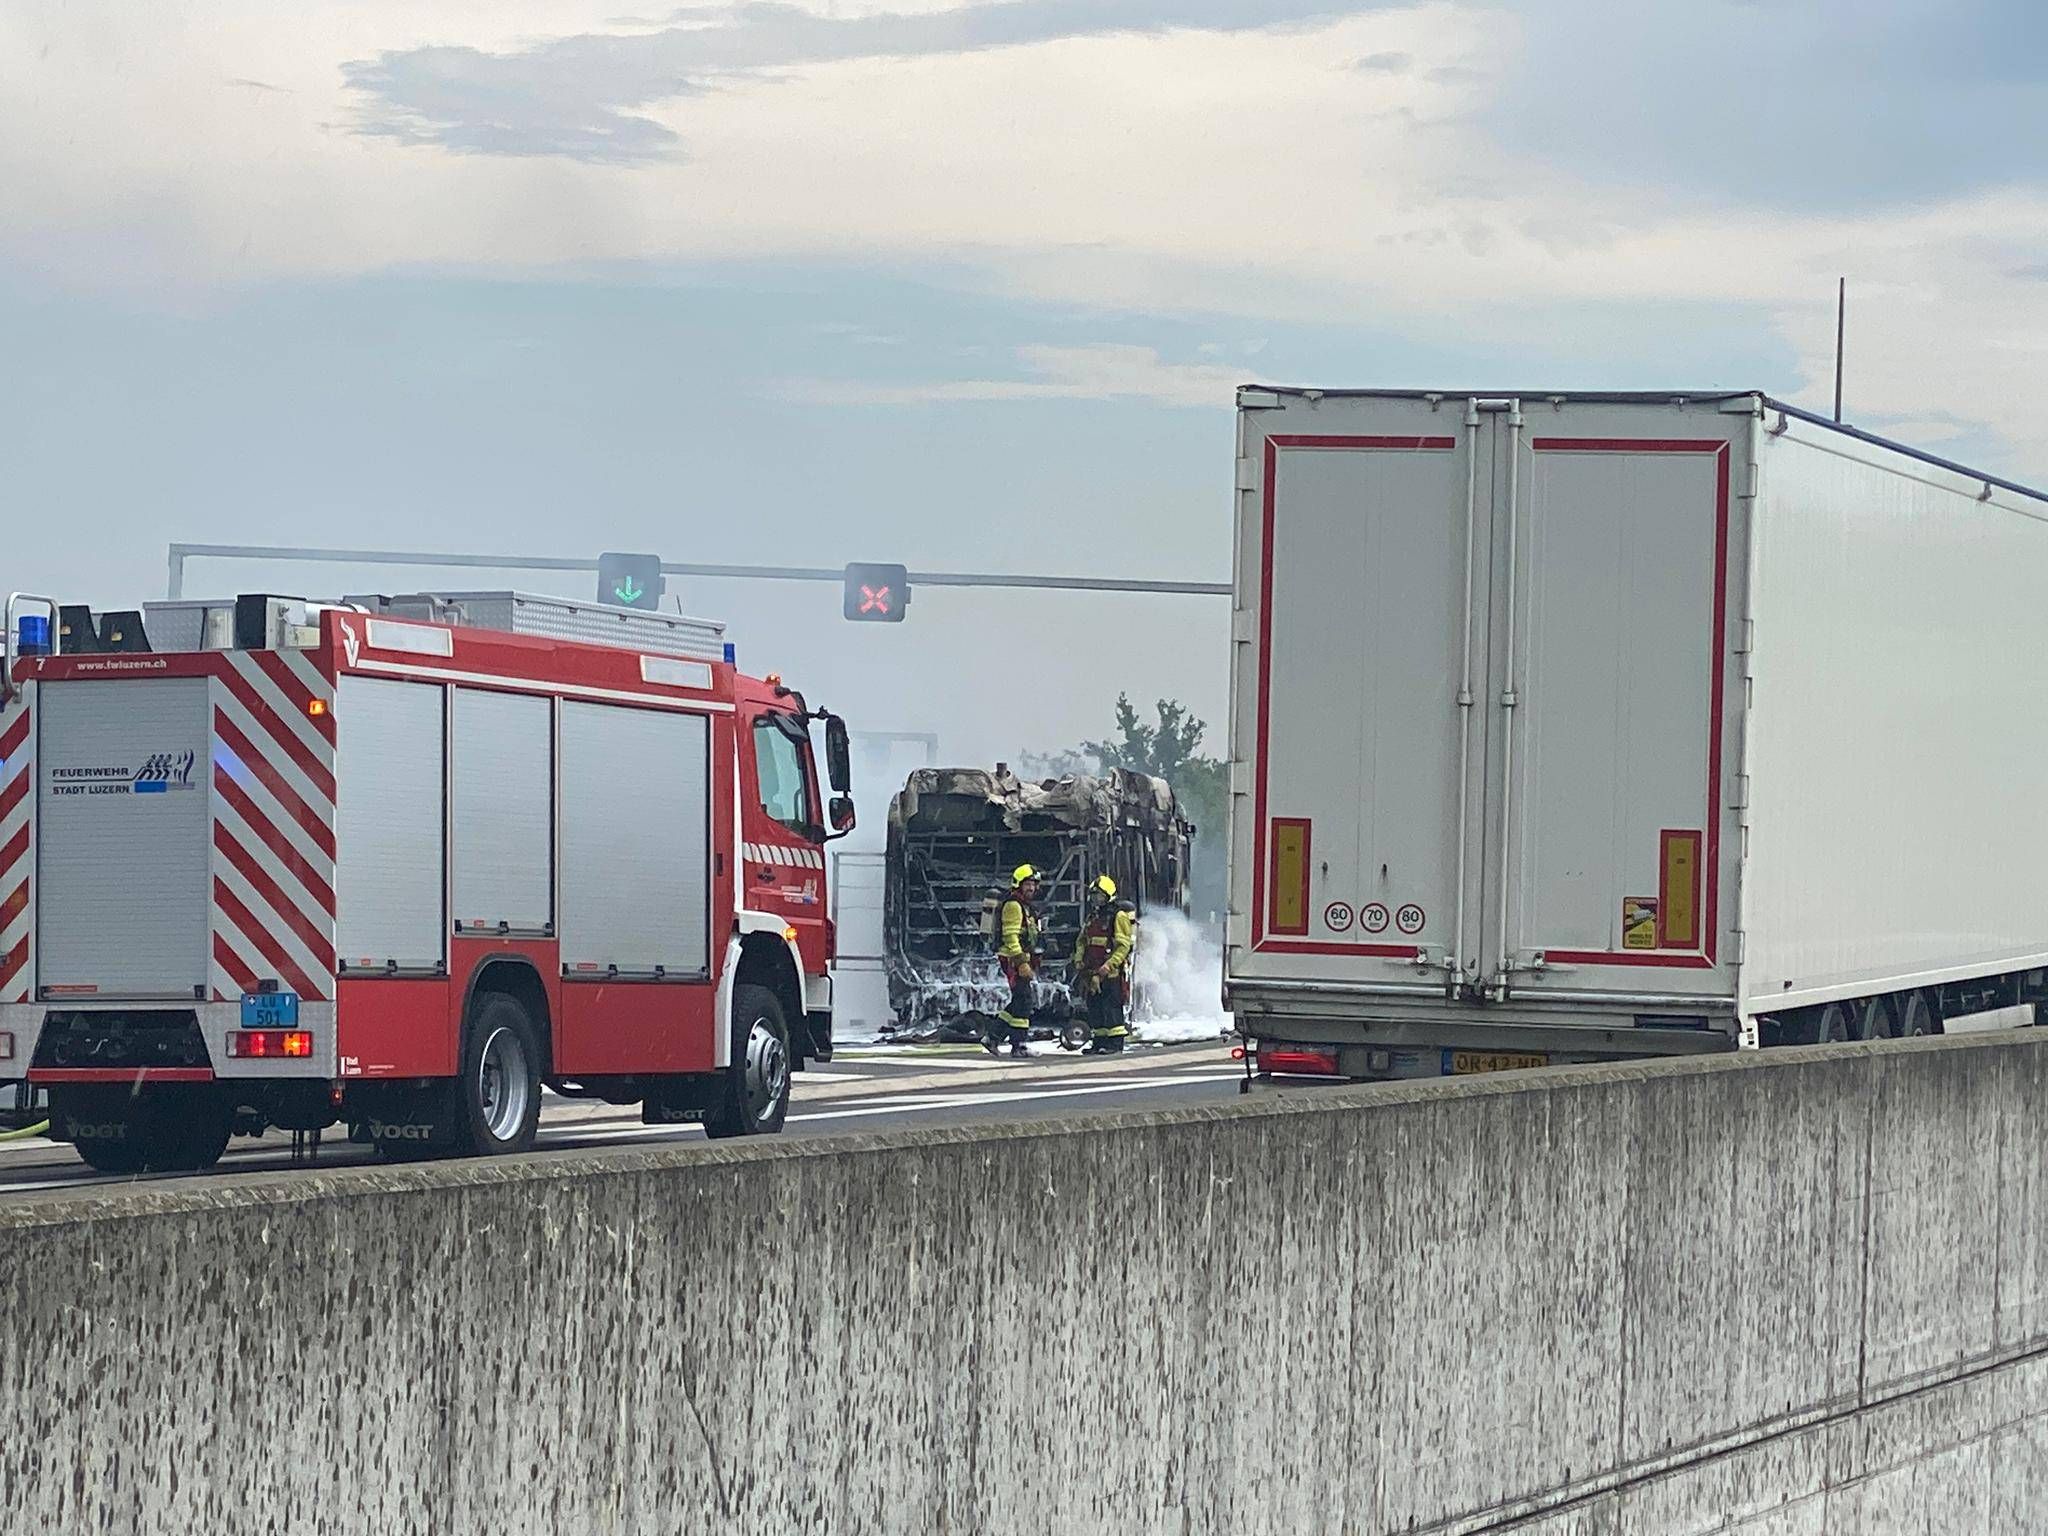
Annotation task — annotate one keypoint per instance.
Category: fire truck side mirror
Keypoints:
(842, 814)
(838, 756)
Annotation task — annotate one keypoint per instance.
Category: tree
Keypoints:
(1169, 748)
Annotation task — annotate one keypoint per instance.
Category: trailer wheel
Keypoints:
(755, 1096)
(1829, 1024)
(1918, 1015)
(496, 1097)
(1877, 1019)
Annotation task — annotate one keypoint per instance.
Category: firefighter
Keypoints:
(1017, 952)
(1102, 966)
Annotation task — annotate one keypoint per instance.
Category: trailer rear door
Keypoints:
(1611, 657)
(1371, 539)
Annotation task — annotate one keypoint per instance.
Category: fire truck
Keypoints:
(395, 863)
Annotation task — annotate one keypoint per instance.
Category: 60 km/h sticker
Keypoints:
(1337, 916)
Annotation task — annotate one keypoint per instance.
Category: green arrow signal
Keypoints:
(629, 591)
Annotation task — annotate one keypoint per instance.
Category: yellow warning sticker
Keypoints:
(1679, 896)
(1290, 875)
(1639, 922)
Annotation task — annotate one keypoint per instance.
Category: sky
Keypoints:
(963, 284)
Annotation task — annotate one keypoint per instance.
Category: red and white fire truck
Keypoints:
(396, 863)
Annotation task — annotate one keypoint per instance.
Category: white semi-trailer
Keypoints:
(1568, 727)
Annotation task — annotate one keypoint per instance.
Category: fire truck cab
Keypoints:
(396, 863)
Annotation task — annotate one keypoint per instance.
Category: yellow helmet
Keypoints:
(1106, 886)
(1024, 872)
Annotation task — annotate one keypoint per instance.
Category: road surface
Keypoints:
(865, 1089)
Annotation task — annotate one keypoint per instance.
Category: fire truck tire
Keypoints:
(106, 1135)
(495, 1105)
(187, 1132)
(755, 1096)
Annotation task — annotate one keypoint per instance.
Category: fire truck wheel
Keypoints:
(497, 1097)
(101, 1128)
(756, 1093)
(188, 1132)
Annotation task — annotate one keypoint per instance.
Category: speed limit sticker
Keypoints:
(1410, 919)
(1337, 916)
(1374, 917)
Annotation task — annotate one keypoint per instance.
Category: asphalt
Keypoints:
(862, 1089)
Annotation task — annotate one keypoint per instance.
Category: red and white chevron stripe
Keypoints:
(273, 825)
(17, 845)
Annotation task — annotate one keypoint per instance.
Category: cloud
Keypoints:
(584, 97)
(1103, 371)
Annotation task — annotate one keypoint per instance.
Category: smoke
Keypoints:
(1178, 980)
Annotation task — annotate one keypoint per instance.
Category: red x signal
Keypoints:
(876, 594)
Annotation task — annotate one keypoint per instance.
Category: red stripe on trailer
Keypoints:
(1319, 440)
(1324, 947)
(280, 733)
(224, 955)
(1265, 713)
(315, 826)
(14, 735)
(278, 668)
(287, 910)
(288, 971)
(1627, 444)
(279, 845)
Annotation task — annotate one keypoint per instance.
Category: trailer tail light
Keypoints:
(1297, 1061)
(270, 1042)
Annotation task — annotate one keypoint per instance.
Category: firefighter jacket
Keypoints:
(1106, 943)
(1016, 931)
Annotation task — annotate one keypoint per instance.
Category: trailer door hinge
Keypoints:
(1247, 474)
(1749, 483)
(1739, 800)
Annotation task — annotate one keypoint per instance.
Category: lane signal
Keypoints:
(876, 594)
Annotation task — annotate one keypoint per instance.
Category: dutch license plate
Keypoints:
(270, 1010)
(1457, 1063)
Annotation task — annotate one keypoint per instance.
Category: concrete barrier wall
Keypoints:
(1803, 1289)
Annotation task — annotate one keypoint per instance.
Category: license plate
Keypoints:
(270, 1010)
(1457, 1063)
